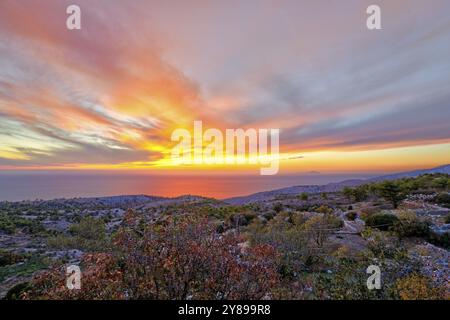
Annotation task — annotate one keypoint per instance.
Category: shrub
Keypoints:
(268, 215)
(236, 220)
(278, 207)
(409, 225)
(7, 258)
(6, 224)
(303, 196)
(241, 219)
(26, 268)
(88, 234)
(324, 209)
(351, 215)
(181, 258)
(61, 241)
(10, 222)
(442, 199)
(290, 241)
(16, 291)
(382, 246)
(320, 227)
(440, 239)
(365, 213)
(418, 287)
(381, 221)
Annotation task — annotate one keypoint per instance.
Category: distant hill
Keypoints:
(411, 174)
(332, 187)
(110, 201)
(266, 195)
(88, 201)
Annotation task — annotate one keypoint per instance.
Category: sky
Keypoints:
(108, 96)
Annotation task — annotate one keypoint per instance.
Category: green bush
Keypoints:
(440, 239)
(27, 268)
(268, 215)
(8, 257)
(89, 234)
(303, 196)
(406, 229)
(6, 224)
(62, 241)
(10, 222)
(16, 291)
(443, 199)
(381, 221)
(356, 194)
(250, 216)
(324, 209)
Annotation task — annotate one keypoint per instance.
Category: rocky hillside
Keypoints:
(332, 187)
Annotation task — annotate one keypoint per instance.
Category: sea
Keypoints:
(20, 186)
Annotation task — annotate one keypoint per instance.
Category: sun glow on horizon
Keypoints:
(107, 97)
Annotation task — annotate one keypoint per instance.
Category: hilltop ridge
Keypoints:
(333, 187)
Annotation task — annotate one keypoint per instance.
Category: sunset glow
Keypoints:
(108, 96)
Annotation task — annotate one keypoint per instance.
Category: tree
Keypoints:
(321, 226)
(303, 196)
(391, 191)
(441, 183)
(356, 194)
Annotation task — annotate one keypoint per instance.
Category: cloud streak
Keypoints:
(112, 92)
